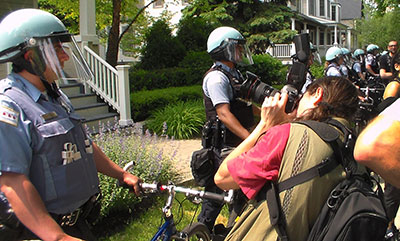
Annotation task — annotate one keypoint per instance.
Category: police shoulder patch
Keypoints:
(8, 115)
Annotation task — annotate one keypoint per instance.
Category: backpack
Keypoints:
(354, 210)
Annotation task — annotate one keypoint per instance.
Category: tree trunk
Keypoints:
(113, 37)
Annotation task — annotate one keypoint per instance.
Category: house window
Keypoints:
(158, 4)
(334, 13)
(321, 7)
(298, 6)
(321, 38)
(311, 7)
(329, 9)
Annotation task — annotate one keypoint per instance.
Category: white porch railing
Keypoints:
(111, 84)
(280, 50)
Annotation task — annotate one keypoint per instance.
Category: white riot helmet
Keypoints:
(37, 41)
(226, 43)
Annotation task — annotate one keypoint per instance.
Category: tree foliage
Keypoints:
(67, 11)
(261, 22)
(371, 28)
(380, 7)
(193, 33)
(110, 14)
(161, 50)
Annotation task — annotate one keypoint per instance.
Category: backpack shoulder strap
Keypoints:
(329, 135)
(271, 194)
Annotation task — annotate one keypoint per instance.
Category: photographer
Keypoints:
(231, 117)
(393, 87)
(279, 148)
(377, 147)
(385, 62)
(309, 77)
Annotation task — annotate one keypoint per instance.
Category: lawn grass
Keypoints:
(145, 224)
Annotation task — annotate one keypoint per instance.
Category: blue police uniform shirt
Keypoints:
(343, 69)
(357, 67)
(63, 188)
(216, 85)
(15, 149)
(333, 70)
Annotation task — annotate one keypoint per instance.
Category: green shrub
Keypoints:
(197, 59)
(143, 103)
(181, 120)
(151, 164)
(161, 49)
(317, 70)
(268, 68)
(140, 79)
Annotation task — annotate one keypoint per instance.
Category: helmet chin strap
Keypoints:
(52, 89)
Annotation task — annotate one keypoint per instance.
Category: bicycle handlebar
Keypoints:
(158, 187)
(189, 192)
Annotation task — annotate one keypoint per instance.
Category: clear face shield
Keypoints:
(58, 59)
(316, 57)
(238, 52)
(347, 59)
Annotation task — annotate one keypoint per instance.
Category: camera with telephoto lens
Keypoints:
(255, 90)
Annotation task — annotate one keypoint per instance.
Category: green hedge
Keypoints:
(269, 69)
(143, 103)
(193, 67)
(189, 72)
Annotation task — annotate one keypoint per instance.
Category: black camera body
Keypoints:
(255, 90)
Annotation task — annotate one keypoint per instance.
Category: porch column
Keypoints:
(125, 118)
(317, 38)
(348, 36)
(87, 18)
(293, 24)
(305, 28)
(87, 24)
(336, 37)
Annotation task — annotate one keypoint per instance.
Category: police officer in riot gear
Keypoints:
(48, 165)
(358, 65)
(371, 63)
(227, 47)
(334, 59)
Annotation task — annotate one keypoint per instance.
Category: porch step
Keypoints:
(90, 107)
(88, 111)
(72, 89)
(82, 100)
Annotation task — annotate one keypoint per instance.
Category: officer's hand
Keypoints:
(132, 182)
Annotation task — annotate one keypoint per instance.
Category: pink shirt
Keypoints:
(252, 169)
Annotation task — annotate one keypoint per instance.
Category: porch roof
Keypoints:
(322, 22)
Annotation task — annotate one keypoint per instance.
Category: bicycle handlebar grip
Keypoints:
(214, 196)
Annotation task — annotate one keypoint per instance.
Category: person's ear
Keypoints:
(317, 96)
(28, 55)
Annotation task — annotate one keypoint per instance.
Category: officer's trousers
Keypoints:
(210, 209)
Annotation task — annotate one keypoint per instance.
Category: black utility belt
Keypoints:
(82, 212)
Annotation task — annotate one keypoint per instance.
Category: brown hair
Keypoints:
(339, 99)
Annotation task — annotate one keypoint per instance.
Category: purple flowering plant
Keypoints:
(152, 156)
